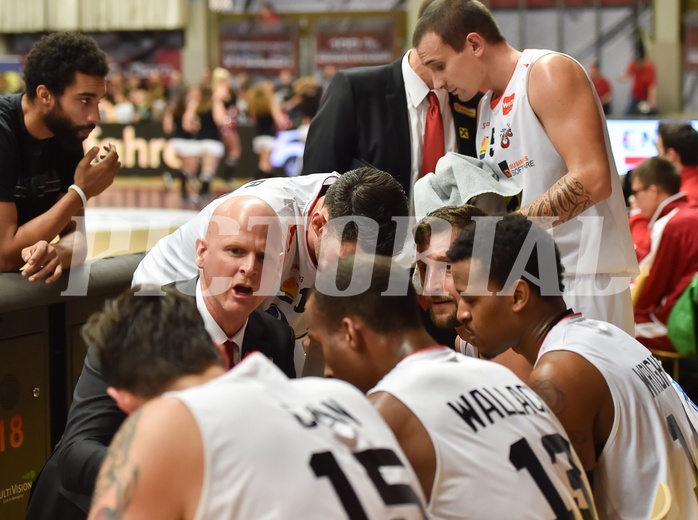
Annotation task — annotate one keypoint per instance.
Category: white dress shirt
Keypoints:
(417, 105)
(214, 330)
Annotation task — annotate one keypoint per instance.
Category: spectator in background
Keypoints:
(602, 86)
(678, 142)
(267, 118)
(643, 94)
(183, 143)
(673, 257)
(46, 177)
(157, 93)
(223, 91)
(204, 115)
(268, 15)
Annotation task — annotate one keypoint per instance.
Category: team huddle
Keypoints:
(275, 356)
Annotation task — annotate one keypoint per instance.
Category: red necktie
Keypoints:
(230, 348)
(433, 135)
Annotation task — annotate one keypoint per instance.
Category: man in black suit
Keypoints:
(375, 116)
(229, 289)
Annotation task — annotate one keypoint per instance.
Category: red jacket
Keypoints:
(675, 258)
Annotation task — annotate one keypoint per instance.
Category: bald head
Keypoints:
(240, 213)
(239, 260)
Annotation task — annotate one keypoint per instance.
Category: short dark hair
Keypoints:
(683, 138)
(384, 313)
(457, 216)
(661, 172)
(453, 20)
(373, 194)
(56, 57)
(145, 340)
(511, 233)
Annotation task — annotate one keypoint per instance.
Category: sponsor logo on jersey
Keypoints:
(486, 124)
(505, 168)
(463, 133)
(515, 168)
(483, 147)
(462, 109)
(508, 104)
(505, 136)
(288, 290)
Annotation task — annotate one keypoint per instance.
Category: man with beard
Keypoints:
(434, 236)
(45, 180)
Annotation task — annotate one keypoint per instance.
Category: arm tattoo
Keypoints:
(554, 398)
(119, 474)
(566, 199)
(551, 394)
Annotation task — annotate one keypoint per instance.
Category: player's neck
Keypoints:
(547, 317)
(415, 340)
(502, 62)
(191, 380)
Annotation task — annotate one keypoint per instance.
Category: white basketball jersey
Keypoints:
(304, 448)
(172, 258)
(500, 452)
(466, 348)
(652, 439)
(515, 144)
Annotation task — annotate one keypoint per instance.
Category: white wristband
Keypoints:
(77, 189)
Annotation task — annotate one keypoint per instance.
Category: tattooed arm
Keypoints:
(578, 395)
(152, 466)
(564, 101)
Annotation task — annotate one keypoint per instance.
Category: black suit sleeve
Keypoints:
(93, 420)
(331, 142)
(273, 338)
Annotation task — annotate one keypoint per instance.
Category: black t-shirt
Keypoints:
(33, 172)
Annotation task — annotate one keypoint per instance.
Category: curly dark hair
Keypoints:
(56, 57)
(513, 234)
(373, 195)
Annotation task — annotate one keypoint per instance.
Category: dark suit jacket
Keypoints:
(363, 121)
(264, 333)
(63, 489)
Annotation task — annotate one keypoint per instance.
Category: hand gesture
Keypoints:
(41, 261)
(95, 175)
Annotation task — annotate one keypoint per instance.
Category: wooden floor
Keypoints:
(156, 192)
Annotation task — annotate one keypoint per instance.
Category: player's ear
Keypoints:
(351, 333)
(522, 293)
(201, 246)
(43, 95)
(125, 400)
(318, 220)
(475, 43)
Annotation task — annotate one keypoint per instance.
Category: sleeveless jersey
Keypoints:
(172, 258)
(652, 439)
(515, 144)
(500, 452)
(303, 448)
